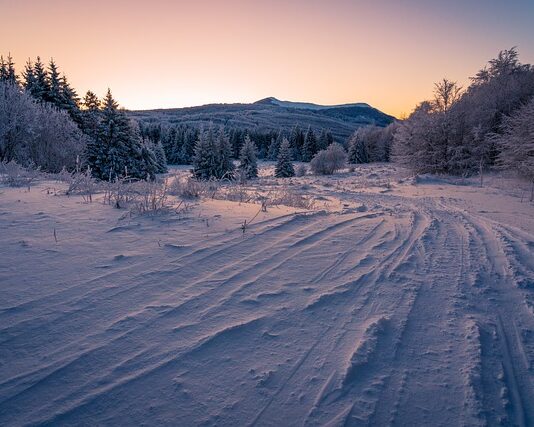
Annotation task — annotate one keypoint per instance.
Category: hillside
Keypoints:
(273, 114)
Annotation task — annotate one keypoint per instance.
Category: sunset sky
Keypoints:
(163, 53)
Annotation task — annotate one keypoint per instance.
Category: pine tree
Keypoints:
(117, 150)
(274, 147)
(224, 149)
(309, 148)
(325, 140)
(284, 167)
(248, 163)
(53, 89)
(161, 158)
(296, 141)
(187, 152)
(69, 100)
(90, 114)
(39, 89)
(7, 70)
(205, 160)
(358, 152)
(29, 77)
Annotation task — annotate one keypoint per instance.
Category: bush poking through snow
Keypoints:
(327, 162)
(187, 188)
(286, 197)
(301, 170)
(140, 197)
(14, 175)
(81, 183)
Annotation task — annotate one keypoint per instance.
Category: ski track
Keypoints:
(311, 319)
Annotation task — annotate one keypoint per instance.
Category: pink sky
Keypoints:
(162, 53)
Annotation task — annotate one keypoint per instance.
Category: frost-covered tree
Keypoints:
(161, 158)
(327, 162)
(455, 132)
(517, 142)
(35, 134)
(117, 150)
(284, 166)
(248, 163)
(205, 160)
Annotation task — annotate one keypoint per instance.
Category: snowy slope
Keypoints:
(395, 302)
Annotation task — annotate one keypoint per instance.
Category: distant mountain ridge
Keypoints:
(307, 105)
(272, 114)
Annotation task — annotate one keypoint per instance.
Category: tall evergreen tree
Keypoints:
(53, 89)
(29, 77)
(248, 163)
(187, 152)
(118, 151)
(324, 140)
(90, 114)
(309, 148)
(358, 151)
(205, 160)
(224, 149)
(39, 89)
(69, 101)
(7, 70)
(296, 141)
(161, 158)
(284, 167)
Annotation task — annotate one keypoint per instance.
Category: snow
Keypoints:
(396, 300)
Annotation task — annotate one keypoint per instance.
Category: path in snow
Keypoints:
(416, 312)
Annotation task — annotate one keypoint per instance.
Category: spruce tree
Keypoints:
(7, 70)
(248, 163)
(117, 150)
(187, 152)
(39, 89)
(275, 146)
(29, 77)
(284, 167)
(296, 141)
(324, 140)
(53, 88)
(358, 152)
(224, 150)
(309, 148)
(206, 158)
(90, 114)
(69, 101)
(161, 158)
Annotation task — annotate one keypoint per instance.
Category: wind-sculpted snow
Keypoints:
(396, 304)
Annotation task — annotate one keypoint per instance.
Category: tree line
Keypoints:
(44, 123)
(488, 124)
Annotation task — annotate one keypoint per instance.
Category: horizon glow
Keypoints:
(165, 54)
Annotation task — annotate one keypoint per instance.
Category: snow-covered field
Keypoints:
(393, 301)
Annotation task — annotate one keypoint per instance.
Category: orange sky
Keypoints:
(162, 53)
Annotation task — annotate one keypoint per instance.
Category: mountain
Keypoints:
(272, 114)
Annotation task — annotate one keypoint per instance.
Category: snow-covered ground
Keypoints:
(393, 301)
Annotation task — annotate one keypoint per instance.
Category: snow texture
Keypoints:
(397, 301)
